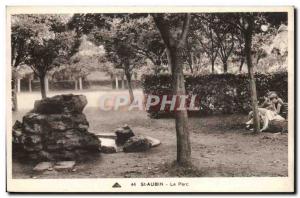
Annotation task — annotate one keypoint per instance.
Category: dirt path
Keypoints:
(220, 147)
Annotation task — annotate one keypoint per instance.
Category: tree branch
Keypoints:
(163, 29)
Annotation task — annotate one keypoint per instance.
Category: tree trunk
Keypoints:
(175, 48)
(29, 85)
(128, 77)
(241, 65)
(248, 41)
(43, 88)
(181, 117)
(123, 83)
(212, 66)
(76, 85)
(225, 66)
(14, 94)
(190, 60)
(169, 60)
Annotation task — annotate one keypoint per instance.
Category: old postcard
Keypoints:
(150, 99)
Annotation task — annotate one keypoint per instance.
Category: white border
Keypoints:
(245, 184)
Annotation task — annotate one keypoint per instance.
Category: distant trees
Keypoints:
(203, 34)
(47, 43)
(128, 39)
(121, 46)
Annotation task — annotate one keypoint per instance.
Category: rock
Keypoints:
(108, 145)
(43, 166)
(123, 134)
(64, 165)
(278, 126)
(60, 104)
(154, 142)
(17, 132)
(108, 149)
(17, 125)
(38, 123)
(56, 129)
(106, 135)
(137, 144)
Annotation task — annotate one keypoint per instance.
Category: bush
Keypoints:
(216, 93)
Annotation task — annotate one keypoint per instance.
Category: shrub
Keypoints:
(216, 93)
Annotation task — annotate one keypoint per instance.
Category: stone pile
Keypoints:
(56, 129)
(126, 139)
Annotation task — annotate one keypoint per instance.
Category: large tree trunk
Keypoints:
(128, 77)
(181, 117)
(43, 87)
(176, 48)
(248, 41)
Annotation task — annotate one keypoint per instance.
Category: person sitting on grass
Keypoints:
(268, 111)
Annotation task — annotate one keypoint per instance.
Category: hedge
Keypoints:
(216, 93)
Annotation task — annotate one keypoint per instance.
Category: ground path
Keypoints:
(220, 147)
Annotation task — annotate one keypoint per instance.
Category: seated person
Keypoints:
(268, 111)
(272, 102)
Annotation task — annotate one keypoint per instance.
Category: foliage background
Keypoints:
(216, 93)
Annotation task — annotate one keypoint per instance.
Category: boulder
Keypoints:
(60, 104)
(278, 126)
(56, 129)
(17, 132)
(137, 144)
(123, 134)
(108, 149)
(40, 123)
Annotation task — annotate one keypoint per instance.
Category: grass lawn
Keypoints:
(220, 148)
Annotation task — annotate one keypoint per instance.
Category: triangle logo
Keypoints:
(116, 185)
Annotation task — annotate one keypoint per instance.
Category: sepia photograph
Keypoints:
(150, 99)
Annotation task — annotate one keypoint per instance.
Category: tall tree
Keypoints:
(249, 24)
(174, 30)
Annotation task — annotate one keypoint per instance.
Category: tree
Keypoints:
(51, 47)
(249, 24)
(83, 62)
(226, 40)
(121, 46)
(174, 30)
(125, 38)
(203, 33)
(138, 30)
(22, 29)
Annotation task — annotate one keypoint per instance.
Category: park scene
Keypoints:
(140, 95)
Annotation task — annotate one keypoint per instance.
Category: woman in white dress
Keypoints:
(268, 111)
